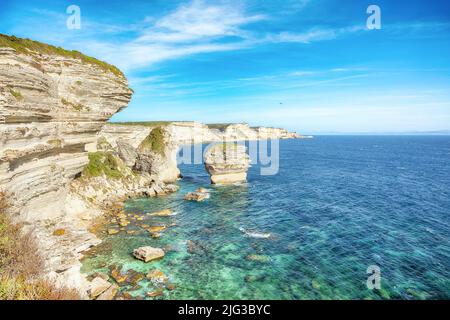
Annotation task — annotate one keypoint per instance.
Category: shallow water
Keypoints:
(337, 205)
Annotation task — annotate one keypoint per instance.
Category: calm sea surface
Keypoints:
(338, 205)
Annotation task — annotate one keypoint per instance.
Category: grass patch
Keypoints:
(75, 106)
(102, 163)
(16, 94)
(154, 141)
(27, 46)
(78, 83)
(21, 266)
(103, 144)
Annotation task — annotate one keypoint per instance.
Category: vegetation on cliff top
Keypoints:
(21, 266)
(145, 123)
(219, 126)
(154, 141)
(102, 163)
(28, 46)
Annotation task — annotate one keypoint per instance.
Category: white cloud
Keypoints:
(197, 21)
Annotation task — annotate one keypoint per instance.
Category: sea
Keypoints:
(345, 217)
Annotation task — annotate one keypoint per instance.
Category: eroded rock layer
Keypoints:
(227, 163)
(51, 109)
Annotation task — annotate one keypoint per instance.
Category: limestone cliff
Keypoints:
(53, 102)
(192, 132)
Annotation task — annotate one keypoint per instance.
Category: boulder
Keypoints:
(98, 286)
(227, 163)
(109, 293)
(196, 196)
(127, 153)
(147, 254)
(155, 293)
(118, 276)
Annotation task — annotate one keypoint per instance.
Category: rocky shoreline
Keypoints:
(64, 168)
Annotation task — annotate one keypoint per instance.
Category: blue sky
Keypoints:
(307, 65)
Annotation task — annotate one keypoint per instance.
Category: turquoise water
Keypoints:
(337, 205)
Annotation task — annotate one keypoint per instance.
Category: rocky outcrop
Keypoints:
(107, 179)
(157, 155)
(227, 163)
(196, 196)
(148, 254)
(146, 149)
(53, 103)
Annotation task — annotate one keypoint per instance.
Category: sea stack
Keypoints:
(227, 163)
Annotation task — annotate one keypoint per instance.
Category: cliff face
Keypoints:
(51, 108)
(53, 103)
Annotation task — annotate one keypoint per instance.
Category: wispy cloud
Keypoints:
(191, 28)
(315, 34)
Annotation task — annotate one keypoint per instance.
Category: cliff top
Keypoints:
(27, 46)
(143, 123)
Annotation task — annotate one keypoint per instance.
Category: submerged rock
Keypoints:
(227, 163)
(258, 258)
(196, 196)
(171, 286)
(157, 276)
(134, 277)
(118, 276)
(156, 293)
(156, 229)
(162, 213)
(195, 248)
(252, 234)
(147, 254)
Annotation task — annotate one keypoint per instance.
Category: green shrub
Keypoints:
(102, 163)
(21, 266)
(75, 106)
(154, 141)
(16, 94)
